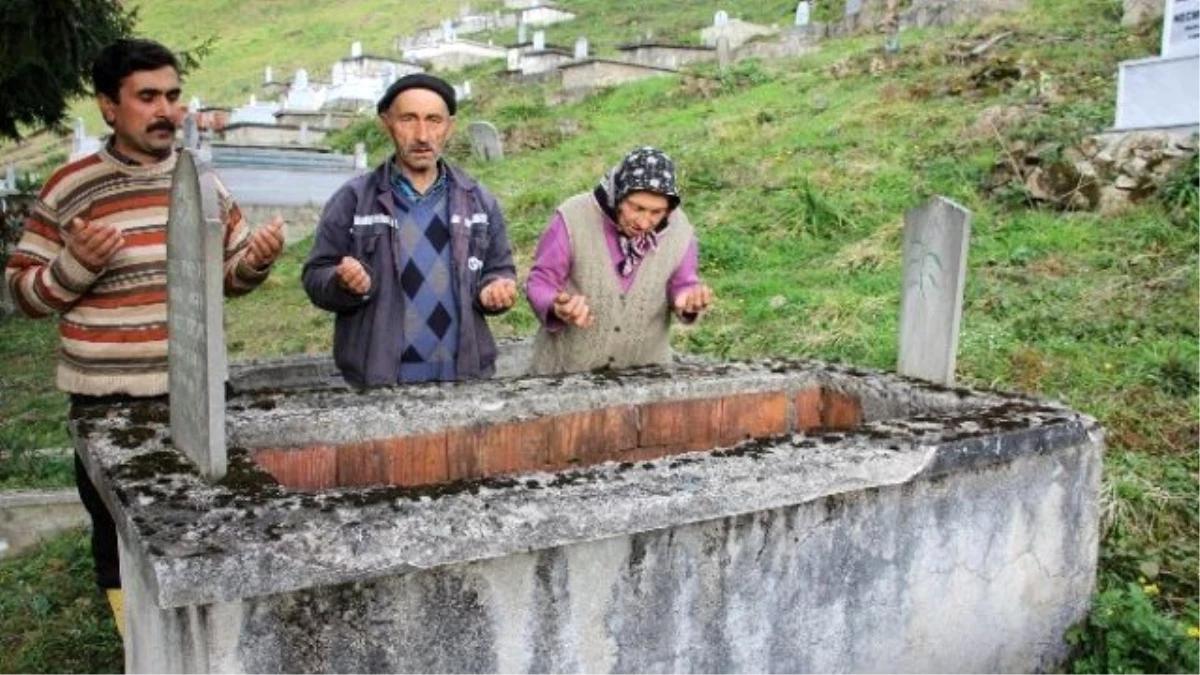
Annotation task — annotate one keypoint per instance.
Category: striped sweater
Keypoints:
(112, 321)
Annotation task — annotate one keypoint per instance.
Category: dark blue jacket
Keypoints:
(360, 221)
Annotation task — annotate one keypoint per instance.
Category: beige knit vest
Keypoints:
(630, 329)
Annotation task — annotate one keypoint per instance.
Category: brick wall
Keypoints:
(619, 433)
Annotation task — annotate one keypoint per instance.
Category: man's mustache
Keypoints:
(163, 125)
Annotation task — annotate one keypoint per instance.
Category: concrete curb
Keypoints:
(30, 516)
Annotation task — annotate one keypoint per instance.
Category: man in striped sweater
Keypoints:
(94, 253)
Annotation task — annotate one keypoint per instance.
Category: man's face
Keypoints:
(640, 212)
(146, 114)
(419, 123)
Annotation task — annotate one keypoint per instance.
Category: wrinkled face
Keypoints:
(146, 114)
(419, 123)
(640, 212)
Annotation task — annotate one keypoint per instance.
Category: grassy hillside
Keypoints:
(797, 174)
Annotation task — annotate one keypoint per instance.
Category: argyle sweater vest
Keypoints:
(631, 328)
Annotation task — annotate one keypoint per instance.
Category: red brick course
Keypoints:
(621, 433)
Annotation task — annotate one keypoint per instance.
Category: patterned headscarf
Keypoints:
(645, 169)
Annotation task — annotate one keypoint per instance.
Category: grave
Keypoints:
(709, 516)
(936, 238)
(485, 141)
(1163, 92)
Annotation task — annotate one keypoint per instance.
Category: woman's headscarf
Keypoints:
(645, 169)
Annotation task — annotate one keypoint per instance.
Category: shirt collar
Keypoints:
(404, 187)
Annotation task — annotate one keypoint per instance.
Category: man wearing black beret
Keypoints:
(414, 255)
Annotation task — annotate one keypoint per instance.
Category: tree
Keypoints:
(46, 53)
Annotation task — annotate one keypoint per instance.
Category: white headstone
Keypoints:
(10, 177)
(485, 141)
(301, 79)
(581, 48)
(514, 60)
(195, 319)
(191, 132)
(360, 156)
(80, 131)
(723, 52)
(447, 30)
(355, 49)
(803, 9)
(522, 33)
(267, 75)
(1181, 28)
(194, 104)
(936, 239)
(539, 40)
(721, 18)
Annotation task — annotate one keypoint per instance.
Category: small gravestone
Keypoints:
(268, 78)
(355, 49)
(936, 237)
(522, 33)
(803, 9)
(539, 40)
(191, 132)
(485, 141)
(195, 320)
(581, 48)
(721, 18)
(360, 156)
(10, 177)
(723, 53)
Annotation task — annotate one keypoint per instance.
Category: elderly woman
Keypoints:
(612, 267)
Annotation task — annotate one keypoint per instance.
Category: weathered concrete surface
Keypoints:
(952, 531)
(29, 516)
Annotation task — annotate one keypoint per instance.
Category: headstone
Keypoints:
(581, 48)
(936, 237)
(514, 60)
(539, 40)
(803, 9)
(10, 177)
(194, 105)
(1164, 91)
(723, 55)
(721, 18)
(191, 132)
(195, 320)
(1181, 28)
(301, 79)
(360, 156)
(447, 30)
(355, 49)
(268, 78)
(522, 35)
(485, 141)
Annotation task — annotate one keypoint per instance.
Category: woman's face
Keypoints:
(640, 212)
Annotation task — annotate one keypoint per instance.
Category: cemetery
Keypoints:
(908, 437)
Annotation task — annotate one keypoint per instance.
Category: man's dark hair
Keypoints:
(124, 57)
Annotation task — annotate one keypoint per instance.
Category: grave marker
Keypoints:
(485, 141)
(195, 320)
(936, 237)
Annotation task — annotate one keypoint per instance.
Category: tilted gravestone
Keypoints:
(936, 237)
(803, 10)
(485, 141)
(196, 332)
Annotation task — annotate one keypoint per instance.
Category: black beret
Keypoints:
(418, 81)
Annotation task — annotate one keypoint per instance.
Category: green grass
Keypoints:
(797, 175)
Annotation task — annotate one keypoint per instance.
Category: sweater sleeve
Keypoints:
(42, 274)
(239, 278)
(331, 244)
(551, 267)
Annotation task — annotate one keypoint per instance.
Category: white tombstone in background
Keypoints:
(721, 18)
(10, 177)
(448, 31)
(581, 48)
(194, 104)
(539, 40)
(301, 79)
(355, 49)
(802, 13)
(522, 33)
(267, 75)
(1164, 91)
(514, 60)
(937, 236)
(360, 156)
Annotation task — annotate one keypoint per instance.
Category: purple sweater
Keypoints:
(552, 267)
